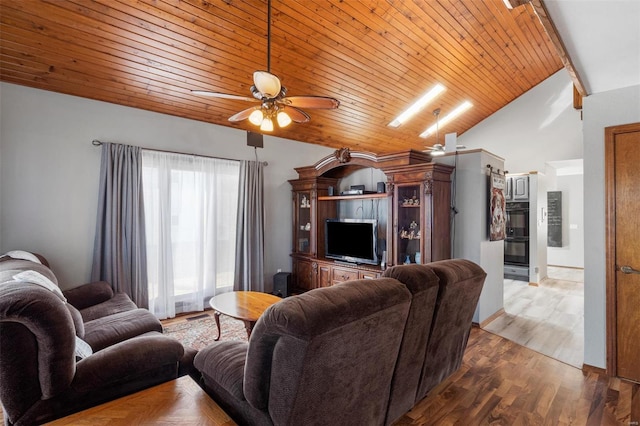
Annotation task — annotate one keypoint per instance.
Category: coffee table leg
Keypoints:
(216, 316)
(248, 325)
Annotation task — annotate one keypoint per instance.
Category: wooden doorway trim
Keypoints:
(610, 134)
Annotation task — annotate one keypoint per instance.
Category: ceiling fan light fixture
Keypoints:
(268, 90)
(417, 106)
(283, 119)
(267, 125)
(449, 117)
(256, 117)
(267, 84)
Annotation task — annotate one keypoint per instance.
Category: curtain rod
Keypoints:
(96, 142)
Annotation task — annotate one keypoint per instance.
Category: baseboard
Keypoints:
(568, 267)
(586, 368)
(489, 319)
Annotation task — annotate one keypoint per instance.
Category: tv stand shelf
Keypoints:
(351, 197)
(415, 205)
(322, 272)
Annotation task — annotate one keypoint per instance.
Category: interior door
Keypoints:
(623, 250)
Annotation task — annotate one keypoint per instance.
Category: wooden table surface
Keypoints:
(243, 305)
(178, 402)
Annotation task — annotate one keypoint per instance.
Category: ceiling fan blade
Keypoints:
(224, 96)
(312, 102)
(297, 115)
(267, 84)
(243, 115)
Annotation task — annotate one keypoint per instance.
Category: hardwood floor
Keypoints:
(499, 383)
(548, 318)
(503, 383)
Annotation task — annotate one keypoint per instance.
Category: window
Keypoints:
(190, 215)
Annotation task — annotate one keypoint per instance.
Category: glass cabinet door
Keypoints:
(303, 222)
(409, 208)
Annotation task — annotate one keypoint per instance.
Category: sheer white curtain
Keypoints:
(190, 215)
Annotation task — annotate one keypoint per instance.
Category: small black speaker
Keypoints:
(281, 284)
(254, 139)
(381, 188)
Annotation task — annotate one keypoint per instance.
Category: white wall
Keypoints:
(49, 172)
(572, 251)
(537, 227)
(615, 107)
(471, 225)
(539, 126)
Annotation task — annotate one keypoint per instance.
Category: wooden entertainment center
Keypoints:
(415, 224)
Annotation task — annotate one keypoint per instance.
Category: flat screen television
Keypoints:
(352, 240)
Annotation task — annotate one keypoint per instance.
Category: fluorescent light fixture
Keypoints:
(417, 106)
(441, 123)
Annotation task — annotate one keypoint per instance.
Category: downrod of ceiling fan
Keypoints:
(436, 112)
(269, 36)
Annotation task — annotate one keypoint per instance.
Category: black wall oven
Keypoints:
(517, 220)
(516, 251)
(516, 243)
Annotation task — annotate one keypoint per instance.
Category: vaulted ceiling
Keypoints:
(376, 57)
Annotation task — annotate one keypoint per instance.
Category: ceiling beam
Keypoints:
(549, 27)
(543, 14)
(512, 4)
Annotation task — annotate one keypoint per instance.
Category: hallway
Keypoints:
(549, 318)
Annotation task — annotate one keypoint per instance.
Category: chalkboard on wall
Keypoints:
(554, 219)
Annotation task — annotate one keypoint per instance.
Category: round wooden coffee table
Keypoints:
(246, 306)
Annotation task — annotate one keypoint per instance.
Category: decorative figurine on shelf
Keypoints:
(404, 233)
(407, 260)
(305, 203)
(417, 257)
(414, 231)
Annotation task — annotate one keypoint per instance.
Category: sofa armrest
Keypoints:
(132, 357)
(89, 294)
(223, 364)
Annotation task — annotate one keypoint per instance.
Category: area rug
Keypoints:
(200, 331)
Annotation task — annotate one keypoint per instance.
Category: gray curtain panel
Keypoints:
(249, 271)
(119, 254)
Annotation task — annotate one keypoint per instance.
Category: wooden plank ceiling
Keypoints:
(376, 57)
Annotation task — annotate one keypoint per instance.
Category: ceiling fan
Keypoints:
(437, 148)
(271, 95)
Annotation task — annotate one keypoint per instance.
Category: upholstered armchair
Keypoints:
(44, 374)
(324, 357)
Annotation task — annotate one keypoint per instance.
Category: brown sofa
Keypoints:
(359, 353)
(44, 376)
(446, 332)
